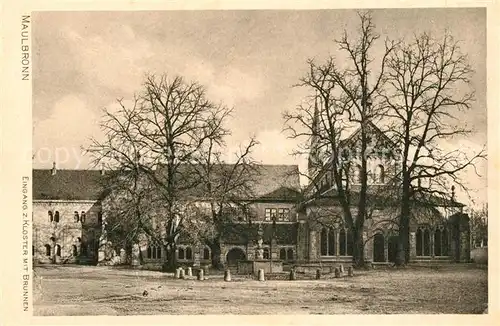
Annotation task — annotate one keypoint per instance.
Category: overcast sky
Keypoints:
(250, 60)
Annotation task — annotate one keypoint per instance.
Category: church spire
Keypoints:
(314, 162)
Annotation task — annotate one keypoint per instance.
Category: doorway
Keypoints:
(234, 256)
(378, 248)
(392, 249)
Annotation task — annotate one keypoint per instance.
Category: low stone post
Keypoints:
(337, 273)
(227, 275)
(206, 269)
(200, 275)
(341, 268)
(293, 275)
(189, 272)
(181, 273)
(350, 271)
(261, 276)
(318, 274)
(178, 273)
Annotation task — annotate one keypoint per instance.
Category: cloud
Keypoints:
(60, 137)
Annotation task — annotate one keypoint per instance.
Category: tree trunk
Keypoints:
(358, 252)
(170, 262)
(216, 253)
(403, 251)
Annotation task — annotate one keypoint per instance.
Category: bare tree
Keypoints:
(343, 100)
(153, 139)
(425, 81)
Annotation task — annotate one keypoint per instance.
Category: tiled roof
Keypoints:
(90, 184)
(68, 184)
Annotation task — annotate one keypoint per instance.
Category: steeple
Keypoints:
(314, 161)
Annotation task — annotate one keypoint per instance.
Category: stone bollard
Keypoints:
(182, 274)
(200, 276)
(341, 268)
(189, 272)
(206, 269)
(261, 275)
(350, 271)
(337, 273)
(293, 275)
(178, 273)
(227, 275)
(318, 274)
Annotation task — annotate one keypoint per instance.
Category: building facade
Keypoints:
(296, 226)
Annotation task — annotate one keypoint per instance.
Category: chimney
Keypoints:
(54, 170)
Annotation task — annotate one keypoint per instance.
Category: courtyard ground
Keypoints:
(87, 290)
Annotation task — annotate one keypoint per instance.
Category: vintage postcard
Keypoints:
(270, 163)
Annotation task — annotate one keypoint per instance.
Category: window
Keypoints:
(328, 242)
(380, 174)
(154, 252)
(282, 254)
(357, 174)
(189, 253)
(280, 214)
(77, 217)
(32, 250)
(48, 250)
(345, 243)
(75, 250)
(51, 216)
(82, 217)
(266, 253)
(289, 254)
(423, 241)
(58, 250)
(440, 242)
(56, 217)
(283, 214)
(99, 218)
(180, 254)
(206, 253)
(271, 214)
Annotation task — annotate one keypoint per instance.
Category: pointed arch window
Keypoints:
(82, 217)
(380, 174)
(56, 217)
(47, 250)
(51, 216)
(58, 250)
(189, 253)
(266, 254)
(181, 254)
(206, 253)
(289, 254)
(282, 254)
(76, 217)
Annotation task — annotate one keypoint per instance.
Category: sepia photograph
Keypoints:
(259, 162)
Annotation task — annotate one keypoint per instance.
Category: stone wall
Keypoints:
(67, 234)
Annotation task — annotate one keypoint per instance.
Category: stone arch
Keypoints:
(234, 255)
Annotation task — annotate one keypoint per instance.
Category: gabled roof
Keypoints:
(90, 184)
(68, 184)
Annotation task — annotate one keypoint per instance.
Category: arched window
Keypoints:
(56, 217)
(332, 242)
(158, 252)
(342, 242)
(82, 217)
(51, 216)
(75, 251)
(206, 253)
(427, 242)
(324, 242)
(419, 242)
(289, 254)
(283, 254)
(58, 250)
(380, 174)
(440, 241)
(149, 253)
(266, 253)
(77, 217)
(48, 250)
(181, 255)
(189, 253)
(349, 243)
